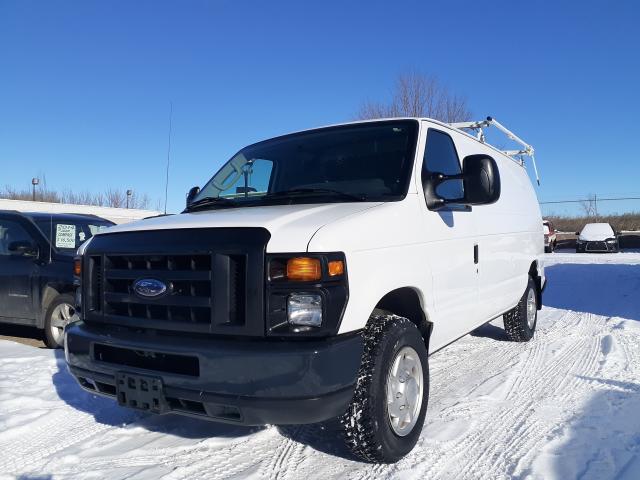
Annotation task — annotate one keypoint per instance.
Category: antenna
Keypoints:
(166, 183)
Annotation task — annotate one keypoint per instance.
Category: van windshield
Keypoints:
(66, 234)
(361, 162)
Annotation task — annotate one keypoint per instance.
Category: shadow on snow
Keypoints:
(610, 290)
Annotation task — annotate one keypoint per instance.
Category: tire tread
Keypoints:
(359, 419)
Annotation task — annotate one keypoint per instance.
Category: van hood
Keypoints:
(291, 226)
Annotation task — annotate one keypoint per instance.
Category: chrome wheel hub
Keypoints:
(405, 389)
(532, 308)
(60, 317)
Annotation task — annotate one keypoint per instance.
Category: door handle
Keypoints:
(475, 254)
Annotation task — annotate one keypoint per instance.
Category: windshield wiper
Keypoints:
(207, 202)
(316, 191)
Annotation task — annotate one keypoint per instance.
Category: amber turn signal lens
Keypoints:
(336, 267)
(303, 269)
(77, 267)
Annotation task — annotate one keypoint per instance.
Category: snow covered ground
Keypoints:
(566, 405)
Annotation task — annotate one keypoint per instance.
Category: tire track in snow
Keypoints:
(459, 451)
(287, 454)
(43, 439)
(514, 426)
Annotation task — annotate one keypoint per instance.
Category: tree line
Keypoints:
(111, 197)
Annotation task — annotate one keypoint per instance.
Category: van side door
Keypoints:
(18, 272)
(450, 238)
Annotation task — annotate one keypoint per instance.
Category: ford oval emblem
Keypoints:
(149, 287)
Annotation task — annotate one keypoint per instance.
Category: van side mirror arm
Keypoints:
(431, 184)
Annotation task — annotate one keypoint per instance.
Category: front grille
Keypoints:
(596, 247)
(188, 280)
(208, 289)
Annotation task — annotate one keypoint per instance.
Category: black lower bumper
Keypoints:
(597, 247)
(251, 382)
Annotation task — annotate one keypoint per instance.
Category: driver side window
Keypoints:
(10, 232)
(440, 156)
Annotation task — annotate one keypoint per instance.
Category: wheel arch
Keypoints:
(407, 302)
(534, 273)
(49, 293)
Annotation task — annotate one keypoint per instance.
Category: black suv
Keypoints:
(36, 268)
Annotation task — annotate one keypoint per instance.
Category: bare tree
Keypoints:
(110, 198)
(590, 206)
(418, 95)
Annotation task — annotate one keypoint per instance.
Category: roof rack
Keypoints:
(526, 150)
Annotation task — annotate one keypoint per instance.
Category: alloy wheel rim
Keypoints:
(60, 317)
(405, 389)
(531, 308)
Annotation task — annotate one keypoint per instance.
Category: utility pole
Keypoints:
(34, 182)
(595, 204)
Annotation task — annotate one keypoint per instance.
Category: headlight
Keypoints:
(306, 293)
(304, 309)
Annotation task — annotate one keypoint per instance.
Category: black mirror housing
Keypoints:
(193, 191)
(481, 180)
(23, 248)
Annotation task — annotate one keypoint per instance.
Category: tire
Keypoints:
(59, 313)
(520, 322)
(371, 431)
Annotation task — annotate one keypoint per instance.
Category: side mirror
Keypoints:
(193, 191)
(23, 248)
(480, 178)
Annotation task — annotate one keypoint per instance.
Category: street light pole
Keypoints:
(34, 182)
(129, 193)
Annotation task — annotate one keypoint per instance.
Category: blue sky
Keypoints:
(85, 86)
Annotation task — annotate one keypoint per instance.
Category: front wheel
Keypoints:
(520, 321)
(385, 417)
(58, 315)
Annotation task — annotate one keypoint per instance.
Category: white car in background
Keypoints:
(597, 237)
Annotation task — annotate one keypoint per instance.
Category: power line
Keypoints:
(599, 199)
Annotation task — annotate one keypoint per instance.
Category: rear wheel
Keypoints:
(58, 315)
(385, 417)
(520, 322)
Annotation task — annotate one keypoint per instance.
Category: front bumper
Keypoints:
(245, 381)
(596, 247)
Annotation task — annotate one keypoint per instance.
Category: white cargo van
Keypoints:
(310, 278)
